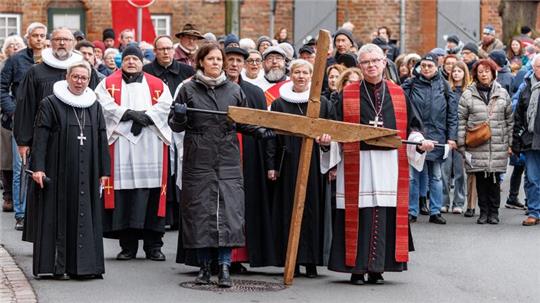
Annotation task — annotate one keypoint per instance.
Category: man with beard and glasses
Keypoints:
(37, 84)
(275, 73)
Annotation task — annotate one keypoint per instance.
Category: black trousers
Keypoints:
(488, 187)
(7, 181)
(129, 239)
(515, 182)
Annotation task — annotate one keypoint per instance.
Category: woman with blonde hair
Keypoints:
(333, 72)
(459, 79)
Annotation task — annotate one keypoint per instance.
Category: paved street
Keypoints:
(459, 262)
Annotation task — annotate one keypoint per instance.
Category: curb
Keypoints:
(14, 286)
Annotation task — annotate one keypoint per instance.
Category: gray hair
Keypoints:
(77, 64)
(110, 51)
(370, 48)
(33, 26)
(247, 44)
(12, 40)
(533, 60)
(58, 29)
(300, 63)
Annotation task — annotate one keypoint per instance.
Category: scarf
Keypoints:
(533, 103)
(210, 82)
(484, 92)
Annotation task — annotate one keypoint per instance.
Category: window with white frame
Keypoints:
(162, 24)
(9, 24)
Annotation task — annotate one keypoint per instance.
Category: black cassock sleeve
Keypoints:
(44, 123)
(25, 111)
(104, 156)
(251, 130)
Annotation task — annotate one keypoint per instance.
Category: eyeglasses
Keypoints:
(164, 49)
(59, 40)
(274, 58)
(254, 61)
(371, 62)
(79, 78)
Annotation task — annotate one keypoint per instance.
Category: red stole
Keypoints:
(272, 93)
(113, 83)
(351, 151)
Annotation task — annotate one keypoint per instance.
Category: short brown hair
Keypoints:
(203, 51)
(487, 63)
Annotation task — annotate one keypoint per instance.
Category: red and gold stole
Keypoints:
(113, 83)
(351, 151)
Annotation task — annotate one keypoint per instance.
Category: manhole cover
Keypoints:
(238, 286)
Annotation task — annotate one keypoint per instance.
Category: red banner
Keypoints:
(124, 15)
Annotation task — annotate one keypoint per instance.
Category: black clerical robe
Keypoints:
(377, 225)
(67, 214)
(284, 156)
(36, 85)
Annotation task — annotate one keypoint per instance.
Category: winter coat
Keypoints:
(436, 104)
(492, 156)
(523, 140)
(212, 204)
(483, 52)
(172, 75)
(14, 70)
(505, 78)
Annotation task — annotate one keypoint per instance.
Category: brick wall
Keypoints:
(367, 15)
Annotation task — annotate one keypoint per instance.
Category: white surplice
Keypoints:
(138, 160)
(378, 174)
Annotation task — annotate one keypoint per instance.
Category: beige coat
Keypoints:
(491, 156)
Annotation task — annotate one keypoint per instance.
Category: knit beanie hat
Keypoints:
(132, 50)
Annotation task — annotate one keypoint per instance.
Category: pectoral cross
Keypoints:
(81, 138)
(309, 127)
(376, 122)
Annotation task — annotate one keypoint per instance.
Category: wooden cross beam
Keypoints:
(310, 127)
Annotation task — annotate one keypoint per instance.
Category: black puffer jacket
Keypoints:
(523, 140)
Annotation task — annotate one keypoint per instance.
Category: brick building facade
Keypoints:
(255, 16)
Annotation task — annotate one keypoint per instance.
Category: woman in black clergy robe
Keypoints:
(283, 162)
(69, 148)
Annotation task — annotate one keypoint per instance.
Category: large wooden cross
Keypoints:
(310, 127)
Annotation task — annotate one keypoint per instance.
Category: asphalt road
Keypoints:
(458, 262)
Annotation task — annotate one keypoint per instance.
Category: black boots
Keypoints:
(204, 275)
(224, 277)
(155, 254)
(375, 278)
(357, 279)
(469, 213)
(493, 218)
(437, 219)
(311, 271)
(424, 210)
(483, 219)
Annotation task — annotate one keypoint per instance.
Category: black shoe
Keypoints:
(424, 210)
(437, 219)
(412, 219)
(19, 225)
(155, 255)
(237, 268)
(204, 275)
(224, 277)
(469, 213)
(514, 204)
(493, 219)
(483, 218)
(125, 255)
(61, 277)
(357, 279)
(375, 278)
(311, 271)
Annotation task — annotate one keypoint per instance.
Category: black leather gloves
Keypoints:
(180, 111)
(265, 133)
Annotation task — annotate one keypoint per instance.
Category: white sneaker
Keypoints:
(444, 209)
(457, 210)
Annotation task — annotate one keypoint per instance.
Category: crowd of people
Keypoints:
(122, 141)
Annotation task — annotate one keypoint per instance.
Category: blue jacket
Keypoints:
(437, 105)
(505, 79)
(13, 73)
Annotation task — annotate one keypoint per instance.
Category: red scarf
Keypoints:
(351, 113)
(113, 83)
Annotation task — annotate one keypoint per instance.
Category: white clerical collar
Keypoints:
(287, 94)
(86, 99)
(52, 61)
